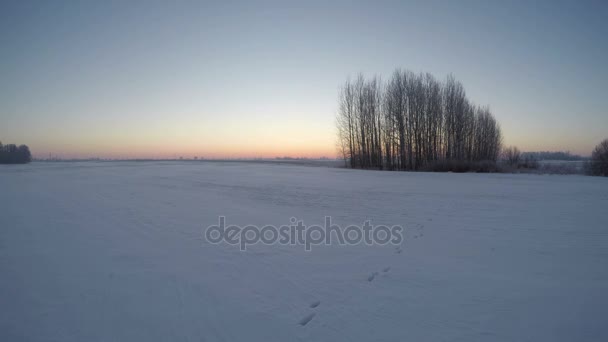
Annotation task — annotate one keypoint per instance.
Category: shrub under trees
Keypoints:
(548, 155)
(13, 154)
(414, 122)
(599, 159)
(511, 155)
(513, 160)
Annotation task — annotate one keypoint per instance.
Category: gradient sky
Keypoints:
(261, 79)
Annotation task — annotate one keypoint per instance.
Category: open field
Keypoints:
(115, 251)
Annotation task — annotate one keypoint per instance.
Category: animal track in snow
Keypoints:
(372, 276)
(315, 304)
(386, 269)
(307, 319)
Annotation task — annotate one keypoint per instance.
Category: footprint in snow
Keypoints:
(315, 304)
(386, 269)
(372, 276)
(307, 319)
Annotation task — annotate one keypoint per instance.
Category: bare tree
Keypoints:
(395, 111)
(345, 122)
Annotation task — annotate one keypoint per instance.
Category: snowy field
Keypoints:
(115, 251)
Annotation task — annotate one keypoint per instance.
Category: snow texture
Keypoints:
(115, 251)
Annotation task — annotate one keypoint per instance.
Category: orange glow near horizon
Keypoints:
(247, 140)
(154, 152)
(185, 153)
(266, 149)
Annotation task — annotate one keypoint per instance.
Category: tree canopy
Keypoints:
(13, 154)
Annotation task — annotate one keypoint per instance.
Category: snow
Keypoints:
(115, 251)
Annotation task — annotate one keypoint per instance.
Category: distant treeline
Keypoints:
(414, 122)
(560, 155)
(13, 154)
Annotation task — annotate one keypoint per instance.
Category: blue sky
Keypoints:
(230, 79)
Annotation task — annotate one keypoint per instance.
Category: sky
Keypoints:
(158, 79)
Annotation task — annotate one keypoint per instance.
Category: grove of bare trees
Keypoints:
(13, 154)
(413, 122)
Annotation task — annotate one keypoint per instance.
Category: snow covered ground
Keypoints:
(114, 251)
